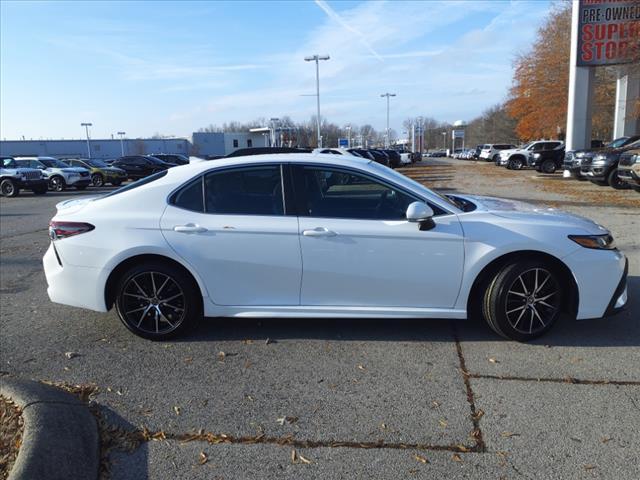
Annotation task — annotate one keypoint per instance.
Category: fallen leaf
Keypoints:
(589, 467)
(221, 356)
(203, 458)
(71, 355)
(286, 419)
(294, 456)
(462, 448)
(247, 364)
(435, 404)
(443, 423)
(383, 426)
(249, 397)
(456, 458)
(420, 458)
(176, 409)
(606, 439)
(304, 460)
(478, 415)
(509, 434)
(493, 360)
(267, 341)
(188, 360)
(361, 367)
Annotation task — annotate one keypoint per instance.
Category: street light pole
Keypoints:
(348, 136)
(316, 58)
(86, 127)
(121, 135)
(387, 140)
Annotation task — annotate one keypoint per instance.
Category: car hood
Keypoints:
(528, 212)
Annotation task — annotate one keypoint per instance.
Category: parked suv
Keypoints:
(573, 159)
(518, 158)
(58, 174)
(548, 161)
(603, 168)
(491, 151)
(629, 168)
(172, 158)
(13, 178)
(101, 173)
(140, 166)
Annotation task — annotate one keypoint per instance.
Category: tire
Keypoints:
(142, 311)
(496, 159)
(8, 188)
(513, 307)
(40, 190)
(57, 183)
(116, 183)
(97, 180)
(548, 166)
(515, 163)
(615, 182)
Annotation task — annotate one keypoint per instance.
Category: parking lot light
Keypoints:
(387, 141)
(86, 126)
(121, 135)
(316, 58)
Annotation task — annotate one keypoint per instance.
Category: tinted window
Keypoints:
(246, 191)
(189, 197)
(341, 194)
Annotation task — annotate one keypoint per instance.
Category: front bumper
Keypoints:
(32, 184)
(620, 296)
(628, 175)
(598, 275)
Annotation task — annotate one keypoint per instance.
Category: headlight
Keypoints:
(599, 242)
(536, 155)
(636, 158)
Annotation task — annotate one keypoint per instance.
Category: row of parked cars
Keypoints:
(40, 174)
(616, 164)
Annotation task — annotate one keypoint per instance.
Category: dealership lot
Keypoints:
(355, 398)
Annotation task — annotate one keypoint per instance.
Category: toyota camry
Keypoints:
(306, 235)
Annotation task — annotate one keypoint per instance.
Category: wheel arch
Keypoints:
(115, 275)
(571, 301)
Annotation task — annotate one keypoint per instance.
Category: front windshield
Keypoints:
(96, 163)
(618, 142)
(404, 179)
(53, 163)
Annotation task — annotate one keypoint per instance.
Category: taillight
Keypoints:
(60, 230)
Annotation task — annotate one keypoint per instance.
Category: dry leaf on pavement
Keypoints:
(456, 458)
(420, 458)
(202, 459)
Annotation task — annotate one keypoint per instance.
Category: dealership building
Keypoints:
(201, 143)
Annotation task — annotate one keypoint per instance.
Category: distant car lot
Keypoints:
(343, 387)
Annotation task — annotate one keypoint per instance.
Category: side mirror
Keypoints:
(422, 214)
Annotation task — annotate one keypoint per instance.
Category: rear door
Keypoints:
(231, 226)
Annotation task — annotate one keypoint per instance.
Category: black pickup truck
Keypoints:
(548, 161)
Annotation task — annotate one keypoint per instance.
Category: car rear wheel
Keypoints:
(8, 188)
(615, 181)
(97, 180)
(57, 183)
(496, 159)
(523, 300)
(157, 301)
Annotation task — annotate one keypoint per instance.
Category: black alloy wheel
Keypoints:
(97, 180)
(614, 181)
(549, 166)
(158, 302)
(8, 188)
(523, 301)
(56, 183)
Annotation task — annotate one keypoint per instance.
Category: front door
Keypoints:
(231, 227)
(359, 250)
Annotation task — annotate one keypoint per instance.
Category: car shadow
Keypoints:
(621, 330)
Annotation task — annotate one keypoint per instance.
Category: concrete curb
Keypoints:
(60, 438)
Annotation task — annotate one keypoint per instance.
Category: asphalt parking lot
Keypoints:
(360, 398)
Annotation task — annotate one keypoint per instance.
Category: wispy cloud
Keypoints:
(332, 14)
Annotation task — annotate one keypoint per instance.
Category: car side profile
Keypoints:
(518, 158)
(59, 175)
(140, 166)
(491, 151)
(299, 235)
(101, 172)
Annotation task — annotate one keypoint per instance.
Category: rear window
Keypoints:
(136, 184)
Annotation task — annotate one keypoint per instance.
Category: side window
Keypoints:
(235, 143)
(249, 143)
(245, 191)
(189, 197)
(340, 194)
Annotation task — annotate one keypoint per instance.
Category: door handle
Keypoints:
(189, 228)
(319, 232)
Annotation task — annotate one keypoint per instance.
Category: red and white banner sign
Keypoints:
(606, 29)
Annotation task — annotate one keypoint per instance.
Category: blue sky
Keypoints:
(173, 67)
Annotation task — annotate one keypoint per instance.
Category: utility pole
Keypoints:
(86, 126)
(387, 140)
(121, 135)
(348, 127)
(316, 58)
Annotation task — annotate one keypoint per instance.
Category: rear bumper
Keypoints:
(74, 286)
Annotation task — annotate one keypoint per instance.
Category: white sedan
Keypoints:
(299, 235)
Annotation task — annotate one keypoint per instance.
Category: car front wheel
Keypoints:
(548, 166)
(615, 181)
(515, 164)
(97, 180)
(57, 184)
(523, 300)
(8, 188)
(157, 301)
